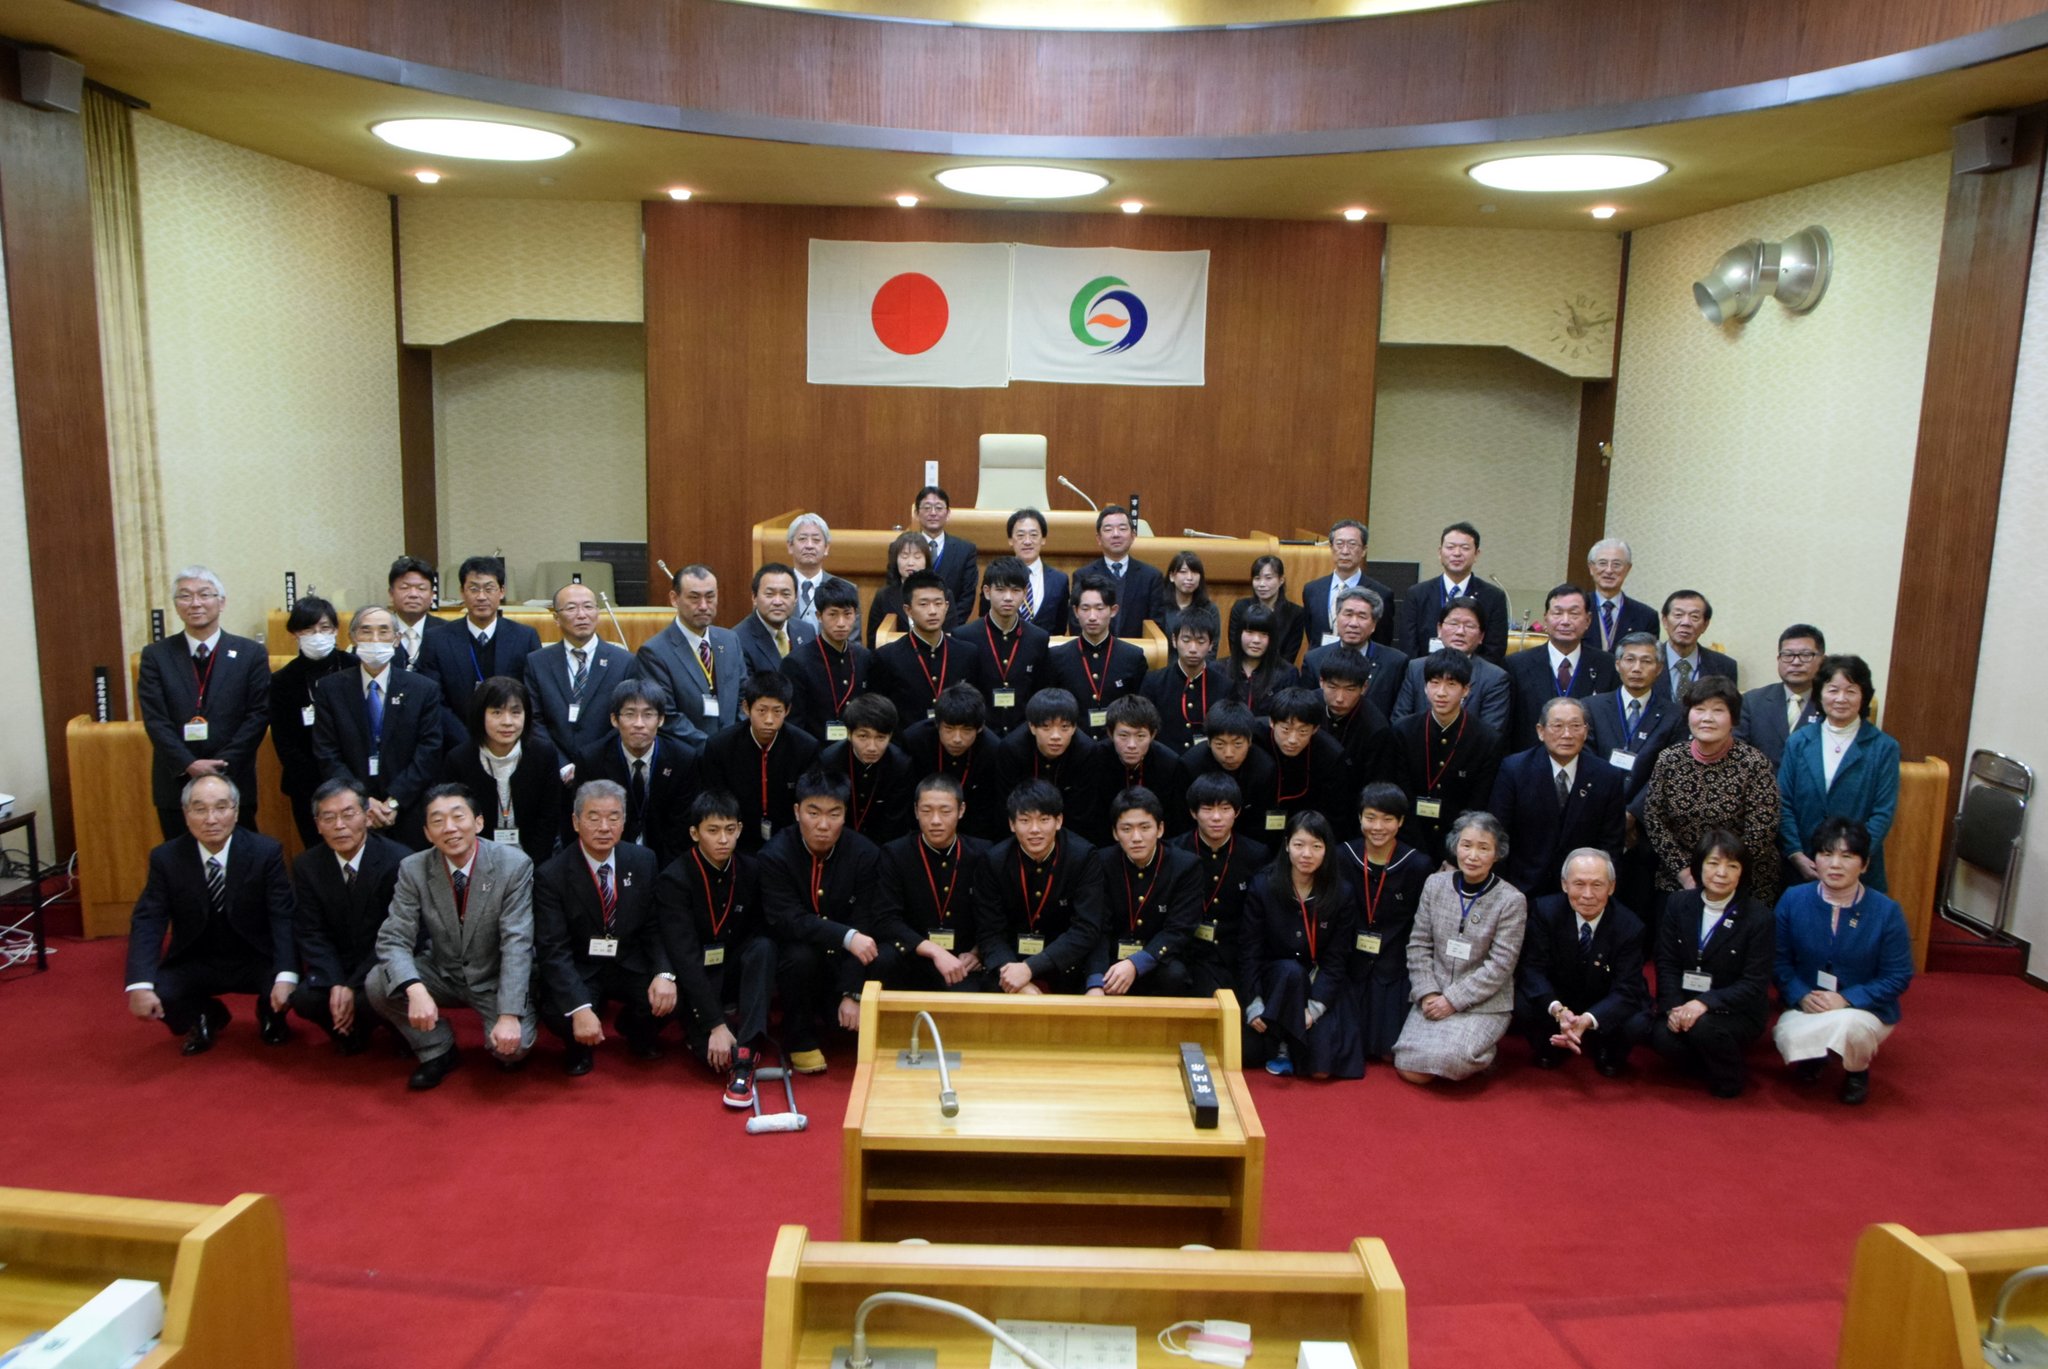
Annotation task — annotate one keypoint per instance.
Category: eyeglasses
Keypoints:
(1799, 655)
(204, 596)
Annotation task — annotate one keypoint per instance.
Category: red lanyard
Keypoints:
(1137, 913)
(1003, 663)
(205, 679)
(1306, 769)
(718, 919)
(943, 905)
(1308, 925)
(938, 686)
(966, 768)
(1095, 683)
(1031, 914)
(861, 810)
(764, 750)
(816, 888)
(1203, 678)
(839, 701)
(1222, 873)
(1429, 734)
(1373, 891)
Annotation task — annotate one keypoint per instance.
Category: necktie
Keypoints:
(781, 642)
(1585, 938)
(1564, 789)
(804, 604)
(216, 885)
(933, 544)
(605, 896)
(580, 671)
(375, 702)
(461, 881)
(1564, 677)
(704, 659)
(1030, 601)
(1607, 622)
(638, 795)
(199, 660)
(1118, 567)
(1794, 706)
(348, 877)
(1684, 675)
(1635, 715)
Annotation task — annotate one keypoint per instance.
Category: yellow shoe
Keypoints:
(807, 1062)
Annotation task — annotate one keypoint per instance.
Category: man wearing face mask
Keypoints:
(381, 727)
(311, 622)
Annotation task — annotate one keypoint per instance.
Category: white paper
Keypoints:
(1070, 1345)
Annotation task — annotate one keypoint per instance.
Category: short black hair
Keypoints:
(1390, 799)
(1249, 615)
(1137, 799)
(1720, 687)
(1230, 719)
(1052, 706)
(1807, 630)
(820, 783)
(714, 803)
(875, 712)
(833, 592)
(1105, 585)
(1465, 602)
(939, 784)
(1728, 844)
(640, 690)
(450, 790)
(1010, 527)
(1846, 833)
(770, 568)
(1198, 620)
(1343, 523)
(1678, 594)
(1447, 663)
(1345, 667)
(493, 566)
(1006, 572)
(960, 705)
(1036, 796)
(310, 610)
(696, 570)
(1465, 528)
(767, 684)
(407, 565)
(1858, 671)
(1214, 788)
(1132, 710)
(1297, 705)
(923, 490)
(1107, 509)
(1565, 591)
(924, 579)
(496, 692)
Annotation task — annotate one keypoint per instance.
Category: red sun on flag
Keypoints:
(909, 313)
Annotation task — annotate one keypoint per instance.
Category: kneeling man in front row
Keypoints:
(1580, 980)
(460, 934)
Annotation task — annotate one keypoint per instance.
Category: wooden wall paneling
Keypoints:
(1980, 297)
(1596, 425)
(416, 455)
(1279, 435)
(46, 219)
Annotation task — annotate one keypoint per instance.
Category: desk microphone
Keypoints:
(665, 570)
(949, 1101)
(1197, 532)
(605, 599)
(1077, 490)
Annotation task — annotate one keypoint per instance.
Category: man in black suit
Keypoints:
(1045, 594)
(486, 644)
(1038, 909)
(1141, 589)
(1563, 667)
(1193, 682)
(1347, 554)
(343, 887)
(1356, 723)
(381, 727)
(411, 586)
(1004, 651)
(1554, 798)
(1361, 615)
(205, 700)
(1686, 616)
(924, 662)
(1457, 549)
(1460, 628)
(1096, 667)
(1772, 713)
(571, 680)
(1631, 727)
(1152, 903)
(658, 773)
(1579, 984)
(954, 560)
(834, 669)
(597, 941)
(770, 634)
(1615, 615)
(222, 899)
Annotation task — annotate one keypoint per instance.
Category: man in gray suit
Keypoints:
(699, 665)
(1492, 696)
(571, 681)
(460, 934)
(1772, 713)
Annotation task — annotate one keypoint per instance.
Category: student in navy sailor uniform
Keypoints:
(1297, 935)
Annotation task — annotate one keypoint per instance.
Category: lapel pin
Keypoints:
(628, 880)
(232, 653)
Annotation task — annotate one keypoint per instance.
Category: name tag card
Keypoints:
(575, 712)
(713, 956)
(1368, 943)
(1030, 945)
(710, 705)
(1126, 949)
(1329, 637)
(306, 715)
(1003, 698)
(1826, 981)
(1458, 949)
(942, 940)
(1695, 982)
(195, 731)
(835, 732)
(505, 836)
(1098, 717)
(1436, 644)
(1205, 931)
(1429, 808)
(604, 947)
(376, 764)
(1276, 822)
(767, 829)
(1621, 760)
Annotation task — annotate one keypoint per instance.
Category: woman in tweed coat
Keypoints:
(1714, 783)
(1461, 959)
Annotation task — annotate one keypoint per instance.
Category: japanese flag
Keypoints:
(909, 313)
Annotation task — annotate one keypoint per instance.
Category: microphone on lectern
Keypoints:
(1077, 490)
(949, 1101)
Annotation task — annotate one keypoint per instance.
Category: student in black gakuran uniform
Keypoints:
(1356, 722)
(1227, 863)
(1050, 747)
(1298, 928)
(1152, 902)
(1096, 667)
(1004, 653)
(1445, 755)
(832, 669)
(1038, 909)
(933, 873)
(708, 902)
(917, 667)
(956, 744)
(1229, 749)
(759, 757)
(1132, 758)
(823, 893)
(880, 771)
(1188, 686)
(1388, 877)
(1309, 774)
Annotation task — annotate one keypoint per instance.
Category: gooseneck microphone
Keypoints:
(949, 1101)
(1077, 490)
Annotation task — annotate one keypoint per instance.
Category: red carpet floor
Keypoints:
(1549, 1221)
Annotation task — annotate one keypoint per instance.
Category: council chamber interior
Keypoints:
(1790, 351)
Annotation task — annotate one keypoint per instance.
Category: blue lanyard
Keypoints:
(1707, 929)
(1465, 904)
(475, 663)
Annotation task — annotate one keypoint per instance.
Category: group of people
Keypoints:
(1394, 840)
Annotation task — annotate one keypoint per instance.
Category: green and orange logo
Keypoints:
(1107, 303)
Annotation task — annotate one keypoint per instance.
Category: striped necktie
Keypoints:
(216, 885)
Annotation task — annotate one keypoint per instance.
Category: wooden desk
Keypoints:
(222, 1270)
(1923, 1302)
(1073, 1125)
(814, 1287)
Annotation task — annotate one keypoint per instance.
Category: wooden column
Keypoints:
(416, 454)
(1980, 297)
(1596, 426)
(46, 220)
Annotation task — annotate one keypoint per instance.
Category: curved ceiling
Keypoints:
(1112, 14)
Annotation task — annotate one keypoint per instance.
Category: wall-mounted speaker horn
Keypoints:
(50, 80)
(1736, 287)
(1804, 262)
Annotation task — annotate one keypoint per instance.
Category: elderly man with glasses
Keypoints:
(205, 699)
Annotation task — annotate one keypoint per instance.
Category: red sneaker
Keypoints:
(739, 1089)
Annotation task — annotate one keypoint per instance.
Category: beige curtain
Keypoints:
(124, 365)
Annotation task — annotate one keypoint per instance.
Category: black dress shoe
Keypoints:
(271, 1026)
(199, 1040)
(511, 1066)
(1609, 1067)
(644, 1048)
(577, 1061)
(1548, 1057)
(431, 1072)
(1806, 1071)
(1725, 1090)
(1855, 1087)
(352, 1042)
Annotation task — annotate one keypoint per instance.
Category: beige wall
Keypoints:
(1484, 435)
(1768, 463)
(24, 771)
(473, 264)
(1542, 293)
(554, 407)
(271, 337)
(2006, 715)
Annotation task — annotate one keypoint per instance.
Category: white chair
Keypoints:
(1012, 472)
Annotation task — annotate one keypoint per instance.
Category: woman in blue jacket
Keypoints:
(1844, 957)
(1839, 767)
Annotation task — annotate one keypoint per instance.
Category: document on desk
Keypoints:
(1070, 1345)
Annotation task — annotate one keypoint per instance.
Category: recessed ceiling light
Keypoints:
(1604, 211)
(676, 192)
(1354, 214)
(906, 201)
(1567, 171)
(1134, 206)
(1022, 182)
(427, 177)
(473, 138)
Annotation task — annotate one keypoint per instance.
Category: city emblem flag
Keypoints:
(908, 313)
(1108, 316)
